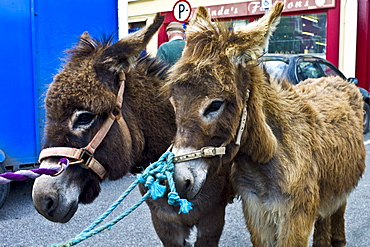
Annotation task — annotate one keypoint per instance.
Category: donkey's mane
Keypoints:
(153, 66)
(201, 54)
(88, 45)
(204, 42)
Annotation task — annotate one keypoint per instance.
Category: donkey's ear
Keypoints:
(201, 14)
(84, 42)
(121, 54)
(247, 43)
(199, 23)
(85, 35)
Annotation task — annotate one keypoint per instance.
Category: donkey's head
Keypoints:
(81, 99)
(209, 88)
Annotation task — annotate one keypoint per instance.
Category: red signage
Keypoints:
(254, 7)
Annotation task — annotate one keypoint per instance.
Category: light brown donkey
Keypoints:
(295, 152)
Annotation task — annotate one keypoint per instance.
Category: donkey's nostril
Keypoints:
(184, 179)
(187, 185)
(50, 205)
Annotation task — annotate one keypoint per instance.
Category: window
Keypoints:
(300, 34)
(308, 69)
(328, 69)
(136, 26)
(275, 68)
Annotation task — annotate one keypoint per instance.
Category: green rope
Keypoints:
(151, 177)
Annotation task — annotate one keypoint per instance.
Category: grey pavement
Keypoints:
(21, 225)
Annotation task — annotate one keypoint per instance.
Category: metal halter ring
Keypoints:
(63, 167)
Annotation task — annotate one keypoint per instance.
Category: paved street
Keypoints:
(21, 225)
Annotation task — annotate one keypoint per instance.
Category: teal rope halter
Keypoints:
(151, 177)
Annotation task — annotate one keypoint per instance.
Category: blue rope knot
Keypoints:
(157, 190)
(175, 200)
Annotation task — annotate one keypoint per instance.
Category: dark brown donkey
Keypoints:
(295, 153)
(86, 119)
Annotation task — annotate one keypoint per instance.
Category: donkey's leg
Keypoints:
(297, 233)
(262, 233)
(295, 227)
(210, 227)
(322, 232)
(264, 237)
(170, 233)
(329, 231)
(337, 227)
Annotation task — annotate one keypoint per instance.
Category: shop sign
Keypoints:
(254, 7)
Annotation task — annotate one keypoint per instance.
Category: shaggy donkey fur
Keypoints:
(302, 151)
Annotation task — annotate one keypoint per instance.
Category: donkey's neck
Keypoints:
(149, 117)
(269, 106)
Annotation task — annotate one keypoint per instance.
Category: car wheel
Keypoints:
(366, 117)
(4, 188)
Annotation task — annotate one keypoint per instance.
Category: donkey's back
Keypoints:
(339, 152)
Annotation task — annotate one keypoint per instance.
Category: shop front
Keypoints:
(306, 26)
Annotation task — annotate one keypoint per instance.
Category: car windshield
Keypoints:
(275, 68)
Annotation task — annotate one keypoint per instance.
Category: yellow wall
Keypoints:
(141, 8)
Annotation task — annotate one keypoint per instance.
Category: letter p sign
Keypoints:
(181, 11)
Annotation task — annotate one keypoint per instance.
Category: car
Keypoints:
(296, 68)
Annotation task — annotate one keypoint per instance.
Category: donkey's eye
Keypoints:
(85, 118)
(213, 107)
(82, 121)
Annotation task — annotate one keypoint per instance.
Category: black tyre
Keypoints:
(366, 117)
(4, 188)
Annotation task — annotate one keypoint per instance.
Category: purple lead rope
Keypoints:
(21, 175)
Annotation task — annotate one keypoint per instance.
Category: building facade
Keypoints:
(332, 29)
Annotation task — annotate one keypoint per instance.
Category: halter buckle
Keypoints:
(212, 151)
(85, 158)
